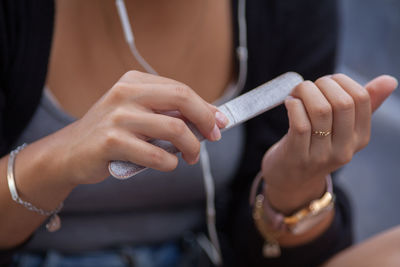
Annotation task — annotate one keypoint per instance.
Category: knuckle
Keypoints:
(119, 90)
(120, 115)
(111, 140)
(302, 128)
(117, 115)
(183, 92)
(322, 111)
(304, 86)
(345, 104)
(339, 76)
(362, 96)
(320, 81)
(157, 158)
(177, 127)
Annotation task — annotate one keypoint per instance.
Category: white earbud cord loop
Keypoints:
(212, 249)
(242, 53)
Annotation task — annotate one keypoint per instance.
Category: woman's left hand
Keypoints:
(336, 105)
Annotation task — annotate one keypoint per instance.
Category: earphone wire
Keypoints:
(130, 37)
(212, 249)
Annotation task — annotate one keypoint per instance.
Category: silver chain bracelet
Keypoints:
(54, 222)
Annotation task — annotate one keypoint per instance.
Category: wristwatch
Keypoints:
(306, 218)
(271, 224)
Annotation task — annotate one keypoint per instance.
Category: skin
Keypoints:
(89, 41)
(296, 166)
(380, 250)
(120, 109)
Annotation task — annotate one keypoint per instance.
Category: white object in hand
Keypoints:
(238, 110)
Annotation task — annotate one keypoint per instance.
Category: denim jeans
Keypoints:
(166, 255)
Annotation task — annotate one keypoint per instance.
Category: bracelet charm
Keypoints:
(271, 248)
(54, 223)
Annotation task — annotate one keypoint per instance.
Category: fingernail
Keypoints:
(289, 97)
(215, 134)
(222, 120)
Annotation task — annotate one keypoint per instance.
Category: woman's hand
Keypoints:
(295, 167)
(118, 125)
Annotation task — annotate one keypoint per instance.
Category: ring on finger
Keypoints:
(322, 133)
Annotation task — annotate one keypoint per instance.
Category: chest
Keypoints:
(88, 56)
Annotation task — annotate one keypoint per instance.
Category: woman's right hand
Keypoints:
(119, 124)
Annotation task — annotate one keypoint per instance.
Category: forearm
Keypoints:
(40, 179)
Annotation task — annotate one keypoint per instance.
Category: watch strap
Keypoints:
(279, 222)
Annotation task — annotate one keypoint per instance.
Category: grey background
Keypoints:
(369, 47)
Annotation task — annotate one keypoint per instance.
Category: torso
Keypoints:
(194, 45)
(189, 41)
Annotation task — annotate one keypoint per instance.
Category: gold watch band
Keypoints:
(315, 207)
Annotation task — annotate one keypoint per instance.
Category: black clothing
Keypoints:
(283, 36)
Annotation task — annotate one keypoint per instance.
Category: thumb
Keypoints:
(379, 89)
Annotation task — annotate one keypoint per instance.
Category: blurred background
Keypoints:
(370, 46)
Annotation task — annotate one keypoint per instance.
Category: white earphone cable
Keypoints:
(212, 248)
(130, 37)
(215, 250)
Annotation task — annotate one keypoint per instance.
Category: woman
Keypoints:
(106, 112)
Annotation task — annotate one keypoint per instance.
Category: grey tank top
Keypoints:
(150, 208)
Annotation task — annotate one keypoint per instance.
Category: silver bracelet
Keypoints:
(54, 222)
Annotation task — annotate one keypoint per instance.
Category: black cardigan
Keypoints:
(283, 36)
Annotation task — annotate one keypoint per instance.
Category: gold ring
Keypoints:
(322, 133)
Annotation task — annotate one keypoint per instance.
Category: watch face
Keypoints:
(309, 222)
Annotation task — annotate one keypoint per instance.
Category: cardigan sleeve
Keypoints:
(26, 29)
(25, 39)
(302, 38)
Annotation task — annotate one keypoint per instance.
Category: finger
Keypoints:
(135, 76)
(167, 97)
(320, 114)
(145, 154)
(142, 77)
(343, 108)
(361, 98)
(299, 133)
(380, 88)
(220, 117)
(159, 126)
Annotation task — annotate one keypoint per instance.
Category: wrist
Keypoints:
(39, 176)
(299, 227)
(295, 196)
